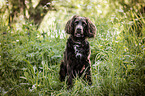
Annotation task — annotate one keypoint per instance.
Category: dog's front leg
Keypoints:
(70, 76)
(88, 75)
(62, 71)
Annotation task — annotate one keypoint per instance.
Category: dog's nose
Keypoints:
(79, 29)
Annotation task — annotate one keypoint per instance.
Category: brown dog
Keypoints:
(77, 53)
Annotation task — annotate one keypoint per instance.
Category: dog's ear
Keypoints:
(91, 29)
(69, 27)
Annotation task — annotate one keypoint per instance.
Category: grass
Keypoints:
(30, 61)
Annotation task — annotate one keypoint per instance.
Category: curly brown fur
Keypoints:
(77, 53)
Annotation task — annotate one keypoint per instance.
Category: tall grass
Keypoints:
(30, 60)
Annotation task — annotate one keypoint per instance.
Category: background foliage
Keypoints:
(33, 40)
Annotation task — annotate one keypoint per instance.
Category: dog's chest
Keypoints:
(78, 49)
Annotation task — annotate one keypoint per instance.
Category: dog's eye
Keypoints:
(76, 22)
(84, 24)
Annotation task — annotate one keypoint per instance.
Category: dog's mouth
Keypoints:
(79, 34)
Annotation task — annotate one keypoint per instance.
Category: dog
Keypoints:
(76, 60)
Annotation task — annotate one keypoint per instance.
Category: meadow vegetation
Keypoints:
(30, 57)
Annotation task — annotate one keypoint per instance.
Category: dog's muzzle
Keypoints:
(79, 32)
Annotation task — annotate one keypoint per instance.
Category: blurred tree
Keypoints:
(20, 7)
(39, 11)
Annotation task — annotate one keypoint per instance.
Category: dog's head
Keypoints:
(80, 27)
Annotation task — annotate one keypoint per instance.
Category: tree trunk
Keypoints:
(35, 14)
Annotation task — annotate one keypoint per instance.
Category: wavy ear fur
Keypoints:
(69, 25)
(91, 29)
